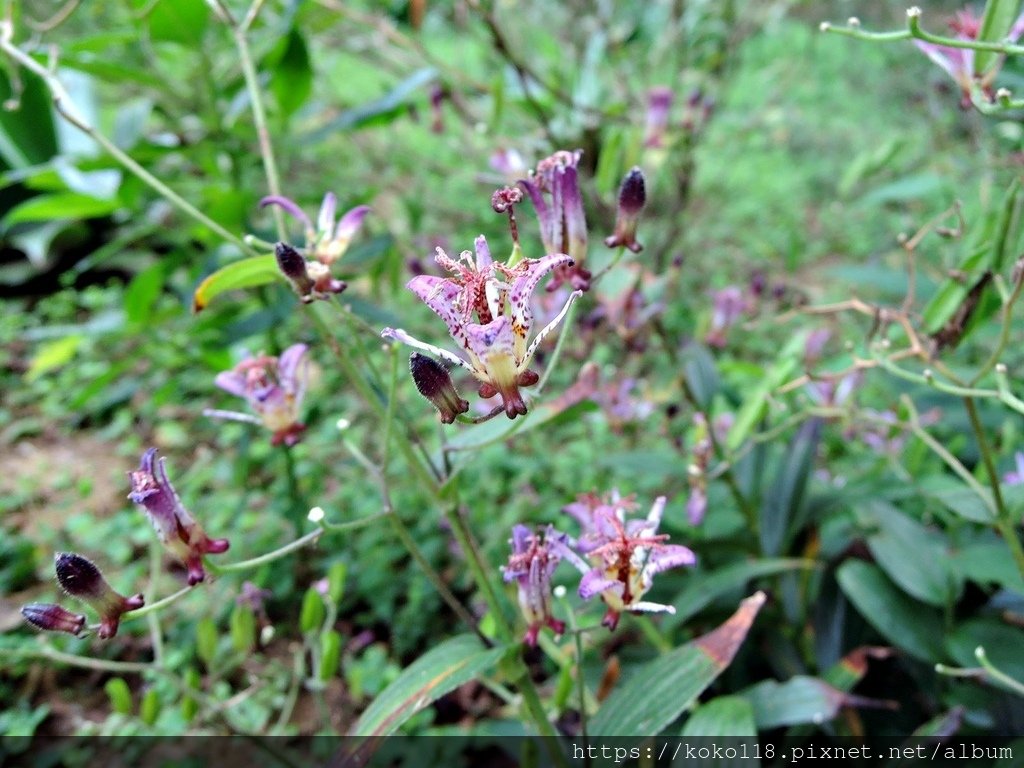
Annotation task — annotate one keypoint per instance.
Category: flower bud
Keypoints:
(53, 618)
(434, 383)
(81, 579)
(632, 198)
(293, 266)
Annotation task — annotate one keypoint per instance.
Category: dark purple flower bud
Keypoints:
(177, 530)
(435, 383)
(53, 618)
(632, 198)
(437, 96)
(293, 266)
(81, 579)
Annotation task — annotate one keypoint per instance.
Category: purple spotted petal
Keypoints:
(291, 369)
(440, 294)
(595, 582)
(232, 382)
(483, 254)
(522, 289)
(669, 556)
(545, 214)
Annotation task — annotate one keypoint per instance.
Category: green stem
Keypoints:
(1004, 523)
(277, 554)
(295, 499)
(914, 31)
(259, 115)
(997, 674)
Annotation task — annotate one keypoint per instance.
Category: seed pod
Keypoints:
(312, 616)
(330, 654)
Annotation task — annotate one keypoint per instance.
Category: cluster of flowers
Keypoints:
(616, 557)
(486, 305)
(179, 532)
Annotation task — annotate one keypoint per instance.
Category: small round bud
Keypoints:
(1001, 368)
(913, 12)
(559, 591)
(316, 515)
(342, 424)
(824, 26)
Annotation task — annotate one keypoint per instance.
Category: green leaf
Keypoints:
(799, 700)
(754, 406)
(142, 292)
(120, 695)
(912, 627)
(995, 26)
(957, 498)
(179, 21)
(439, 671)
(782, 503)
(291, 76)
(706, 587)
(914, 557)
(247, 273)
(1002, 644)
(660, 691)
(62, 205)
(52, 355)
(701, 374)
(723, 716)
(988, 562)
(27, 134)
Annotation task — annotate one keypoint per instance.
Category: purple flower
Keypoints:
(497, 296)
(177, 530)
(274, 388)
(326, 242)
(81, 579)
(632, 197)
(958, 63)
(53, 618)
(531, 564)
(554, 191)
(1017, 476)
(729, 305)
(624, 556)
(659, 103)
(330, 238)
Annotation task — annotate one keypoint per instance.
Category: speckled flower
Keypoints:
(82, 580)
(486, 306)
(177, 530)
(554, 191)
(531, 565)
(274, 388)
(622, 558)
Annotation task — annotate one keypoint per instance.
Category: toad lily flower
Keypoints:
(632, 197)
(554, 191)
(498, 297)
(625, 560)
(532, 564)
(177, 530)
(326, 242)
(81, 579)
(274, 388)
